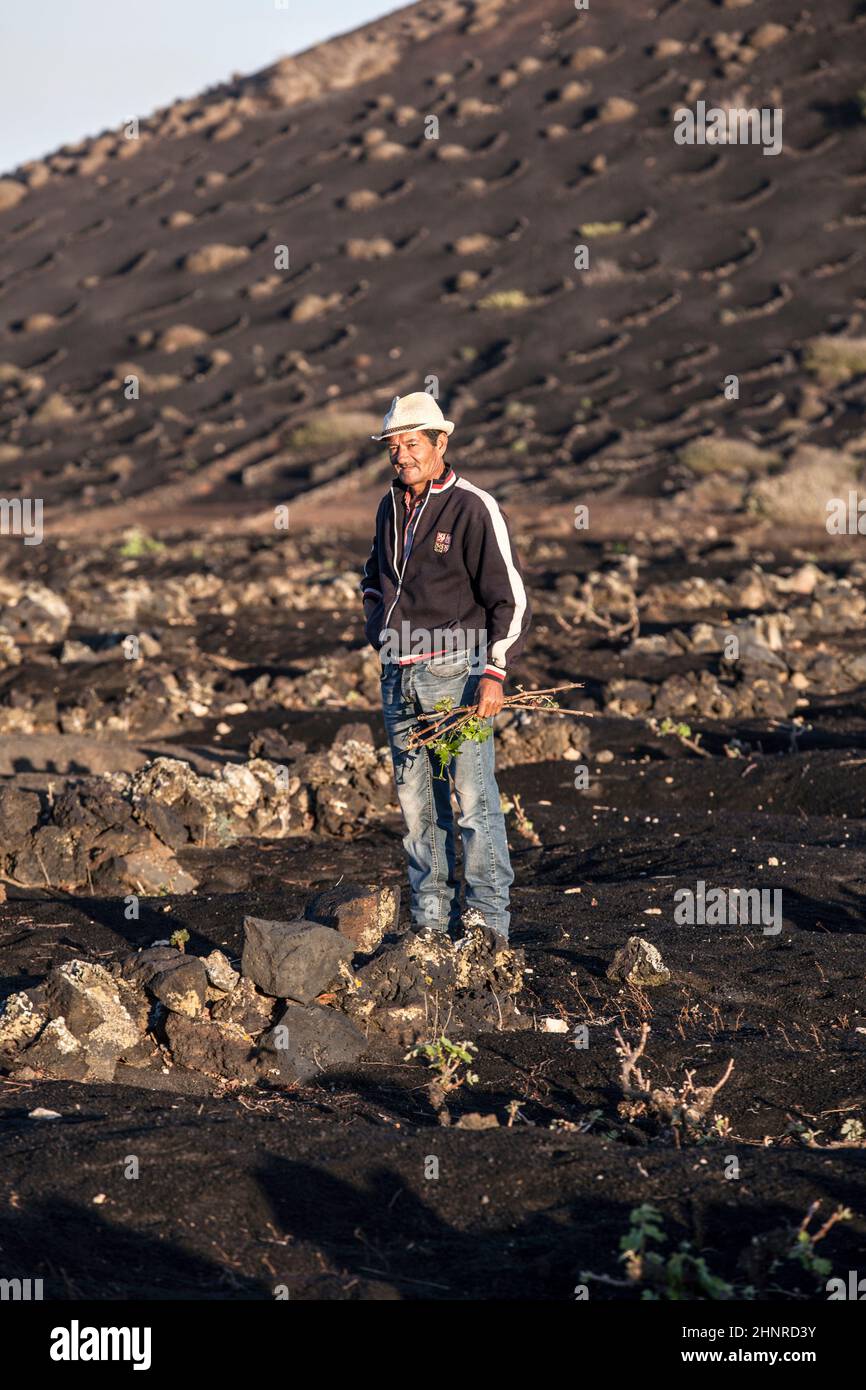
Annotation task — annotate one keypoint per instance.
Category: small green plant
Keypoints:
(505, 299)
(451, 1064)
(681, 1275)
(137, 544)
(686, 1275)
(802, 1251)
(668, 726)
(179, 938)
(524, 824)
(598, 229)
(680, 730)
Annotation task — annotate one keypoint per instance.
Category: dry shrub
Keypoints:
(217, 256)
(836, 360)
(799, 495)
(719, 454)
(180, 336)
(334, 427)
(369, 249)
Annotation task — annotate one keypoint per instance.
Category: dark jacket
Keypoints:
(462, 575)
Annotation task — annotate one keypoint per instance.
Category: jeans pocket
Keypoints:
(449, 668)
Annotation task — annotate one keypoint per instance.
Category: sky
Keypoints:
(72, 68)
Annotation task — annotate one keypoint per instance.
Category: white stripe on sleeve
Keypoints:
(499, 651)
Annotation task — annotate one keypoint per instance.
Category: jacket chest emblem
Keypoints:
(442, 542)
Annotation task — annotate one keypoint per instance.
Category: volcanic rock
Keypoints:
(309, 1040)
(50, 856)
(181, 986)
(293, 960)
(148, 871)
(409, 989)
(87, 998)
(140, 966)
(245, 1007)
(39, 616)
(363, 913)
(20, 1021)
(213, 1046)
(57, 1052)
(639, 963)
(473, 1120)
(219, 972)
(19, 813)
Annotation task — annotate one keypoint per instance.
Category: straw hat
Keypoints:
(417, 411)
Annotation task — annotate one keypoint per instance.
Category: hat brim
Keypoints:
(446, 427)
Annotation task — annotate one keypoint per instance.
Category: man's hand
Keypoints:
(491, 696)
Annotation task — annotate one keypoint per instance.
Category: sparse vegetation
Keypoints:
(836, 360)
(333, 427)
(594, 230)
(686, 1274)
(446, 729)
(506, 299)
(684, 1112)
(137, 544)
(472, 729)
(718, 454)
(451, 1062)
(524, 824)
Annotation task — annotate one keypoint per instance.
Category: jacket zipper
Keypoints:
(405, 558)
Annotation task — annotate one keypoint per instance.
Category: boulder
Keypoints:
(251, 1011)
(405, 988)
(309, 1040)
(19, 813)
(168, 975)
(151, 871)
(363, 913)
(86, 997)
(639, 963)
(51, 856)
(21, 1021)
(162, 820)
(57, 1052)
(212, 1046)
(181, 986)
(219, 972)
(140, 966)
(295, 960)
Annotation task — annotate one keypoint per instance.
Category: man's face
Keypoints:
(414, 458)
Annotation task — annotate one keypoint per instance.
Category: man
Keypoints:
(446, 607)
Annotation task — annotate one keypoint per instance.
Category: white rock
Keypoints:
(554, 1025)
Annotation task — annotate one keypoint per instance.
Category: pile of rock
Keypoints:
(338, 791)
(120, 832)
(312, 995)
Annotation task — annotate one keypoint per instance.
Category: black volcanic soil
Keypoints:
(323, 1188)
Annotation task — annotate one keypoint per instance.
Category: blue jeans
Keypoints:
(425, 799)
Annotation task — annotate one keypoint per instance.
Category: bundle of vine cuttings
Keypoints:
(446, 728)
